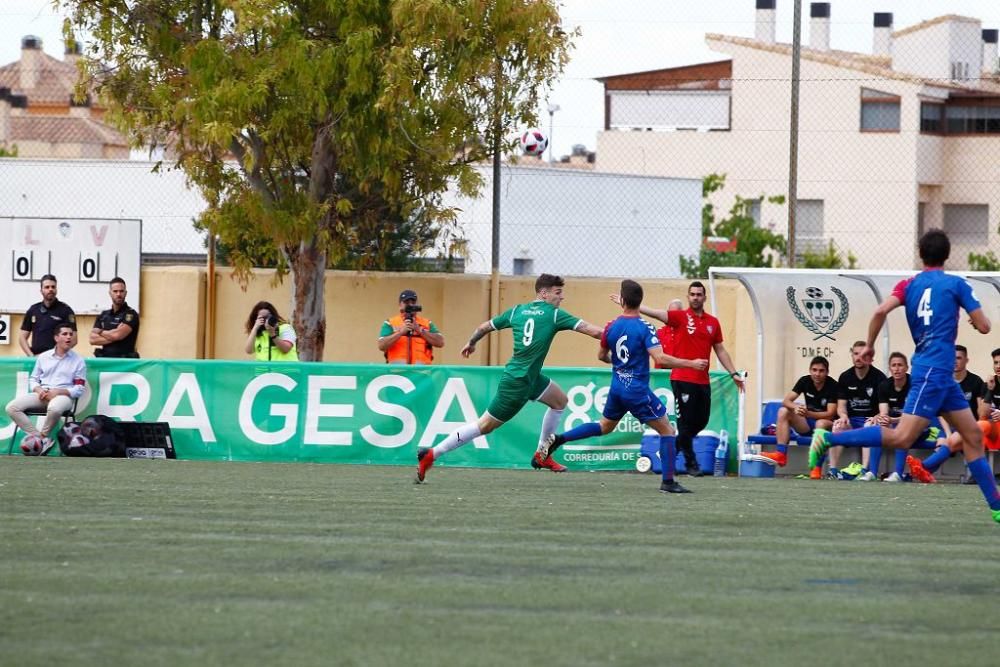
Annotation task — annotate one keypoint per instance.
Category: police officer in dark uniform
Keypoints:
(44, 318)
(117, 328)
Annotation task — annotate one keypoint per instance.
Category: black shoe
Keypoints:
(969, 479)
(673, 487)
(696, 472)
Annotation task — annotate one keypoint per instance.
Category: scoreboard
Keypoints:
(82, 253)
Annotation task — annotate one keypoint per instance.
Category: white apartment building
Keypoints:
(891, 142)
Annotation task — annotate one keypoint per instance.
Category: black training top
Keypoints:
(861, 394)
(817, 400)
(108, 319)
(974, 388)
(992, 396)
(896, 398)
(42, 323)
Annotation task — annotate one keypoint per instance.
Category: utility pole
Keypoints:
(553, 108)
(793, 135)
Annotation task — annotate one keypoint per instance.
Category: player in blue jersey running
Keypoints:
(932, 299)
(627, 344)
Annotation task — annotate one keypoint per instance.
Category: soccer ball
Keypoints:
(31, 445)
(534, 142)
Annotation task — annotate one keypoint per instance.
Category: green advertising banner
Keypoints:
(351, 413)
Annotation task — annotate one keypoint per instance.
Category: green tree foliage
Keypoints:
(319, 126)
(755, 245)
(988, 261)
(830, 258)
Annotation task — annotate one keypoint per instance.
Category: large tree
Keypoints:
(308, 120)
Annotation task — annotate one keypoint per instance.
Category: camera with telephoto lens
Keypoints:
(410, 309)
(272, 322)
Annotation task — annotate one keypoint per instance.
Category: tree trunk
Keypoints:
(308, 271)
(308, 262)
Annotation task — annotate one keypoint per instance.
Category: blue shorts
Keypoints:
(644, 406)
(809, 431)
(858, 422)
(933, 391)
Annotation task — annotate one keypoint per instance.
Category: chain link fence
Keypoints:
(108, 189)
(692, 166)
(891, 142)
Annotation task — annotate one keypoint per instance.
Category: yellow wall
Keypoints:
(358, 303)
(172, 321)
(173, 313)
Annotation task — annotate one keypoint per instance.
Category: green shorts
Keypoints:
(513, 393)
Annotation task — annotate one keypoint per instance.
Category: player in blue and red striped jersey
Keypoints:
(933, 300)
(627, 344)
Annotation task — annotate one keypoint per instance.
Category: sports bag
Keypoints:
(95, 436)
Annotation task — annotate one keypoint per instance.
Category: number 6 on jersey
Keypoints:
(621, 348)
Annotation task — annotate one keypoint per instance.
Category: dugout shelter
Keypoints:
(802, 313)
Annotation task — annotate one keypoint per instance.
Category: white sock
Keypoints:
(464, 435)
(550, 422)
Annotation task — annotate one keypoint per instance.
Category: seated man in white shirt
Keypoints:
(58, 379)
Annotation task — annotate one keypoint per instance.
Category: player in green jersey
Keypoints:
(534, 326)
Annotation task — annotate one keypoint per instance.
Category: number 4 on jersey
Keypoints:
(924, 307)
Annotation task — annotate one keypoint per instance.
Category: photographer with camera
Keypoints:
(270, 337)
(409, 338)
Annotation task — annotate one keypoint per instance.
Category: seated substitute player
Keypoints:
(891, 399)
(856, 404)
(534, 325)
(634, 342)
(820, 391)
(982, 403)
(933, 300)
(989, 411)
(973, 386)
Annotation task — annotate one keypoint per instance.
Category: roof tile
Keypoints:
(63, 130)
(56, 80)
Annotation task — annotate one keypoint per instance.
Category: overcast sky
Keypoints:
(618, 36)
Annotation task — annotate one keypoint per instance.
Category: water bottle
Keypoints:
(721, 455)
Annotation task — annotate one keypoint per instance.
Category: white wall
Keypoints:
(930, 51)
(582, 223)
(669, 109)
(868, 181)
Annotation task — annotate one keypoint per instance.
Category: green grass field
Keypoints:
(115, 562)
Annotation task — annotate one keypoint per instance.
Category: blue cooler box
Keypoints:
(704, 451)
(756, 469)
